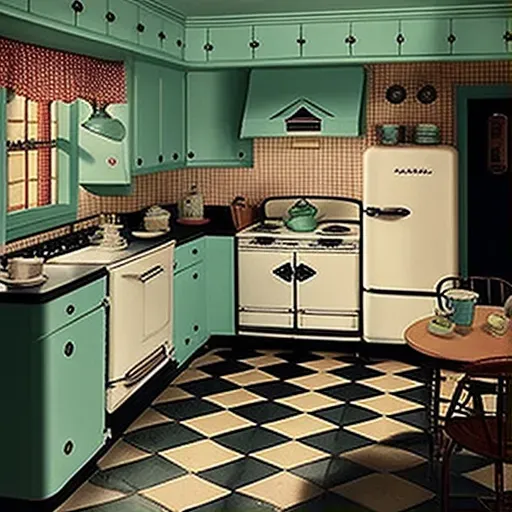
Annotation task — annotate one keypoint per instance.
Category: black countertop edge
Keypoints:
(62, 280)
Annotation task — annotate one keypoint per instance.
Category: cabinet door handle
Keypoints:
(208, 47)
(69, 348)
(190, 154)
(196, 328)
(77, 6)
(110, 16)
(194, 251)
(70, 309)
(140, 27)
(175, 156)
(179, 43)
(187, 341)
(160, 158)
(507, 36)
(452, 38)
(68, 447)
(254, 44)
(350, 40)
(195, 275)
(162, 35)
(175, 265)
(241, 155)
(301, 41)
(140, 161)
(400, 39)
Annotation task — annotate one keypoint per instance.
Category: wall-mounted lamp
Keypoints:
(102, 123)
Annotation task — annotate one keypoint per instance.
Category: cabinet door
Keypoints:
(375, 38)
(172, 112)
(19, 4)
(277, 41)
(149, 27)
(173, 43)
(189, 311)
(325, 39)
(220, 284)
(478, 36)
(57, 10)
(425, 36)
(215, 102)
(196, 39)
(122, 20)
(146, 115)
(92, 17)
(230, 43)
(73, 362)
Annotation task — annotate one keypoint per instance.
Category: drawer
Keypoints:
(188, 254)
(71, 306)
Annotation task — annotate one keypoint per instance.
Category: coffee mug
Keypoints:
(459, 306)
(24, 268)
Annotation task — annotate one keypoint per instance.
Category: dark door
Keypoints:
(489, 190)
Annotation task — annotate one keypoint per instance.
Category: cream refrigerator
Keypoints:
(410, 235)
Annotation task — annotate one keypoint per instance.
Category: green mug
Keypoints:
(459, 306)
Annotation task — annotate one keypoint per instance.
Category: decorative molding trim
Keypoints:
(162, 9)
(347, 15)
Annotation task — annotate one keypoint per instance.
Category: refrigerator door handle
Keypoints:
(389, 212)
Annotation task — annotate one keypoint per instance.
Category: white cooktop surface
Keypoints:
(284, 232)
(89, 255)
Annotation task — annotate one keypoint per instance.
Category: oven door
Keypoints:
(140, 315)
(265, 288)
(327, 290)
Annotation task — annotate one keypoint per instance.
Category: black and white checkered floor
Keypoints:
(268, 430)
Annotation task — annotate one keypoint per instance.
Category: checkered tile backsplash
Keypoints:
(333, 169)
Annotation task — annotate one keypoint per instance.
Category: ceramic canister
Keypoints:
(460, 305)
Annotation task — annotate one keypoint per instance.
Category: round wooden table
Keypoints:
(463, 349)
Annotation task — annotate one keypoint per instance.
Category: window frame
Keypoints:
(21, 223)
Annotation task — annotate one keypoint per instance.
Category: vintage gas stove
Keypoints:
(301, 284)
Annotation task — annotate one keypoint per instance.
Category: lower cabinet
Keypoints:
(203, 293)
(54, 391)
(190, 330)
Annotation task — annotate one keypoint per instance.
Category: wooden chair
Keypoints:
(481, 433)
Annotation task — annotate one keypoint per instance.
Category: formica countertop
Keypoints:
(64, 278)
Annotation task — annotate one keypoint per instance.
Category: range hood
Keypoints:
(313, 101)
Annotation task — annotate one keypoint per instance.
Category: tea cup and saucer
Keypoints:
(24, 272)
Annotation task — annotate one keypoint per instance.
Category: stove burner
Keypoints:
(264, 241)
(266, 228)
(330, 243)
(335, 228)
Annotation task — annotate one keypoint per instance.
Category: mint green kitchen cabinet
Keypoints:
(229, 43)
(425, 36)
(220, 284)
(479, 36)
(172, 113)
(173, 42)
(197, 39)
(56, 10)
(146, 97)
(122, 20)
(158, 119)
(277, 42)
(18, 4)
(190, 324)
(92, 16)
(508, 35)
(374, 38)
(325, 39)
(215, 102)
(149, 28)
(54, 390)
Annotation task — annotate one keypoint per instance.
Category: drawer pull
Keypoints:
(196, 328)
(195, 275)
(111, 17)
(77, 6)
(194, 251)
(187, 341)
(141, 27)
(70, 309)
(68, 447)
(69, 348)
(146, 276)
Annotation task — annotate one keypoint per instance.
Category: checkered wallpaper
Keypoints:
(335, 168)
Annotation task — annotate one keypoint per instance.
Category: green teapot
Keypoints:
(302, 216)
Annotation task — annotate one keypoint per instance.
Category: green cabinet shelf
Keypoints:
(54, 390)
(215, 102)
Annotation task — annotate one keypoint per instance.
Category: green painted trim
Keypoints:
(163, 10)
(464, 93)
(347, 15)
(29, 222)
(174, 166)
(220, 164)
(3, 168)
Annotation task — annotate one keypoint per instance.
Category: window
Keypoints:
(32, 161)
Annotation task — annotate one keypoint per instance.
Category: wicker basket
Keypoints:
(243, 216)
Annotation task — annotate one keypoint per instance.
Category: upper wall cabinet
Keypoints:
(276, 42)
(325, 39)
(57, 10)
(158, 118)
(480, 36)
(373, 38)
(18, 4)
(215, 103)
(173, 38)
(122, 20)
(426, 36)
(90, 15)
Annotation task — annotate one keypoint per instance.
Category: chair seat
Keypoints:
(471, 433)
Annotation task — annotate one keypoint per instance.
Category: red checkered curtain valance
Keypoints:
(46, 75)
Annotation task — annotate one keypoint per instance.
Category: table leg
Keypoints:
(433, 414)
(508, 413)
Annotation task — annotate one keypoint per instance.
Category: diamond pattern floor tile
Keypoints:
(148, 418)
(236, 398)
(289, 455)
(249, 377)
(276, 389)
(384, 493)
(391, 383)
(392, 367)
(206, 359)
(186, 492)
(133, 503)
(346, 414)
(286, 371)
(350, 392)
(336, 441)
(236, 502)
(387, 405)
(217, 423)
(319, 380)
(384, 458)
(263, 360)
(190, 375)
(381, 429)
(251, 439)
(324, 365)
(208, 386)
(237, 354)
(265, 412)
(121, 453)
(485, 476)
(309, 402)
(186, 409)
(89, 495)
(225, 368)
(356, 372)
(299, 426)
(297, 356)
(171, 394)
(329, 502)
(201, 455)
(283, 490)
